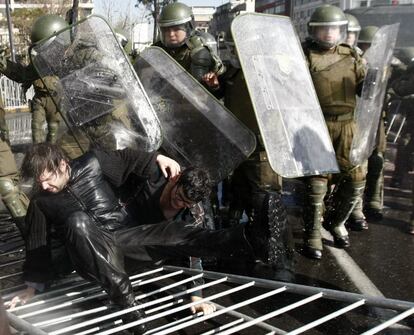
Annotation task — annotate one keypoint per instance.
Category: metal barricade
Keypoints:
(244, 305)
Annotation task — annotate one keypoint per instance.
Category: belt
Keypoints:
(341, 117)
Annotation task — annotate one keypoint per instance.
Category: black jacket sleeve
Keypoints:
(118, 165)
(38, 264)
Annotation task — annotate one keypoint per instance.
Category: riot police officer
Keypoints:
(13, 198)
(353, 30)
(374, 189)
(187, 46)
(337, 72)
(42, 106)
(255, 188)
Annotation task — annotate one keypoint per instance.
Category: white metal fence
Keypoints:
(12, 94)
(14, 97)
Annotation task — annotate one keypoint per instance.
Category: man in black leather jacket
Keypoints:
(78, 206)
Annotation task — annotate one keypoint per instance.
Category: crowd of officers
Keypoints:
(334, 51)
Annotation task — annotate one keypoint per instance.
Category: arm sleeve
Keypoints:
(201, 63)
(38, 264)
(20, 73)
(118, 165)
(360, 69)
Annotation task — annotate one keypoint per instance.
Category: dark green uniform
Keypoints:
(44, 111)
(336, 74)
(195, 56)
(42, 107)
(13, 198)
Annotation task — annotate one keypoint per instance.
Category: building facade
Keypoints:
(53, 6)
(203, 16)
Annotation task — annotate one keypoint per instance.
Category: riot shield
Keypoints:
(198, 130)
(369, 105)
(96, 89)
(287, 110)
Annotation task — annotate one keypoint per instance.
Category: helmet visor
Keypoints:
(352, 38)
(328, 34)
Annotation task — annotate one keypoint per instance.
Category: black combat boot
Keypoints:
(344, 200)
(357, 221)
(374, 189)
(267, 232)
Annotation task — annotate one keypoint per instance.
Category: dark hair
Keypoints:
(196, 183)
(41, 157)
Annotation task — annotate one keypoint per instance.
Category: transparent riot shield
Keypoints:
(369, 105)
(96, 88)
(288, 113)
(198, 130)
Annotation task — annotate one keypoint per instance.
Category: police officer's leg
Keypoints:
(53, 120)
(350, 188)
(316, 188)
(239, 194)
(96, 257)
(401, 160)
(357, 220)
(350, 183)
(14, 199)
(38, 119)
(374, 190)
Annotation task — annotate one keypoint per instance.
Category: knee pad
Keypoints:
(12, 197)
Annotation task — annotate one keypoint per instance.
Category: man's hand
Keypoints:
(169, 167)
(22, 297)
(211, 80)
(205, 307)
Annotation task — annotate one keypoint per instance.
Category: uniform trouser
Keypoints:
(98, 255)
(14, 199)
(402, 160)
(374, 190)
(374, 179)
(44, 110)
(349, 185)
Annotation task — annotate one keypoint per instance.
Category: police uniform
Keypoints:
(13, 198)
(336, 74)
(44, 111)
(195, 56)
